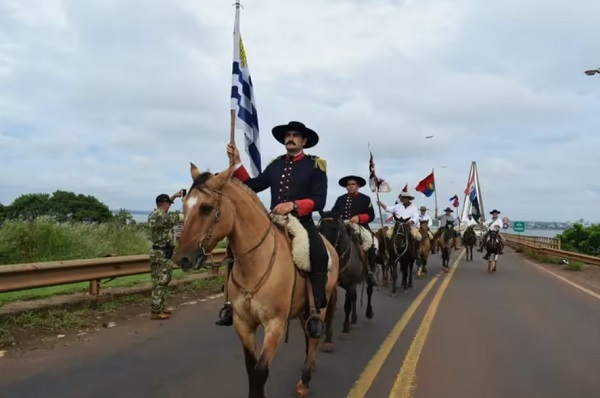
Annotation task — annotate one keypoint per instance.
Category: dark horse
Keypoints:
(352, 268)
(492, 248)
(445, 245)
(469, 240)
(383, 254)
(402, 250)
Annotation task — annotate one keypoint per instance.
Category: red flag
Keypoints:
(427, 185)
(405, 189)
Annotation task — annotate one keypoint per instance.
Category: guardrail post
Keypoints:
(95, 287)
(558, 243)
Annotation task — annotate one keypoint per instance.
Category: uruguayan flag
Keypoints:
(242, 99)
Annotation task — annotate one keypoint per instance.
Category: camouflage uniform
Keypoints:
(161, 225)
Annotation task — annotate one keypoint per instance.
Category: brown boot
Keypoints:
(159, 316)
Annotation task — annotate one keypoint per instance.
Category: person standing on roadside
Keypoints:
(161, 223)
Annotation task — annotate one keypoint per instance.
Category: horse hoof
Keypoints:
(370, 313)
(301, 390)
(328, 347)
(345, 335)
(394, 295)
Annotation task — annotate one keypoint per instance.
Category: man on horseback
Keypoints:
(496, 224)
(424, 217)
(406, 210)
(446, 219)
(298, 185)
(357, 208)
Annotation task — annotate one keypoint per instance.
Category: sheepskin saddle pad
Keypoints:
(365, 236)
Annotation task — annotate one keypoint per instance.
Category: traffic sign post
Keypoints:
(519, 226)
(505, 225)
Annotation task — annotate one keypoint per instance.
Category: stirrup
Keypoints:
(318, 330)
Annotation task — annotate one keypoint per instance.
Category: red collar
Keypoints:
(354, 195)
(295, 158)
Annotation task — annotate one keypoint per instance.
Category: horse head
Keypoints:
(331, 226)
(209, 216)
(493, 242)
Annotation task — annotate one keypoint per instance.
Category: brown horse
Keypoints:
(469, 240)
(423, 250)
(445, 243)
(265, 286)
(383, 256)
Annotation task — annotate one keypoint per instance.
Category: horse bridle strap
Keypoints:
(249, 294)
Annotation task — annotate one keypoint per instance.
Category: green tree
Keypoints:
(123, 217)
(582, 239)
(2, 213)
(28, 207)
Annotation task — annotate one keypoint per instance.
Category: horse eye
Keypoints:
(205, 209)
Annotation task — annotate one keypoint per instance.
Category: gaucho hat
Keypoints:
(312, 138)
(359, 180)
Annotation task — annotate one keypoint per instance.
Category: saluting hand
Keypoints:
(284, 208)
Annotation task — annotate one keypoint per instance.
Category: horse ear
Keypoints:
(194, 172)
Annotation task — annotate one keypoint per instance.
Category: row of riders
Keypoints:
(341, 250)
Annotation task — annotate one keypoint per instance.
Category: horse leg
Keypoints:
(404, 270)
(328, 344)
(410, 273)
(369, 307)
(348, 308)
(273, 334)
(302, 388)
(247, 337)
(354, 316)
(394, 271)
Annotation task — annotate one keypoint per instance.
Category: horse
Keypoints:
(446, 245)
(402, 250)
(383, 253)
(492, 248)
(352, 271)
(423, 250)
(469, 240)
(265, 285)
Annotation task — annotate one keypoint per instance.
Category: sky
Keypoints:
(115, 98)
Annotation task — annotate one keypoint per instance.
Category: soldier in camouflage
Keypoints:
(161, 224)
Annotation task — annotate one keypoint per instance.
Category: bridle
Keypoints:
(337, 241)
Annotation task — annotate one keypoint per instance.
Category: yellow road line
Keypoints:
(363, 383)
(404, 387)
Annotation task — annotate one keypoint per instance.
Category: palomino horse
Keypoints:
(383, 253)
(402, 250)
(469, 240)
(352, 267)
(265, 286)
(445, 245)
(492, 248)
(423, 250)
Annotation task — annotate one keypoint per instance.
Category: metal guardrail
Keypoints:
(29, 276)
(538, 241)
(514, 240)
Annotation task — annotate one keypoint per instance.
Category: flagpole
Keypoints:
(435, 191)
(478, 188)
(462, 214)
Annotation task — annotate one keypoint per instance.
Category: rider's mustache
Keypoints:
(290, 142)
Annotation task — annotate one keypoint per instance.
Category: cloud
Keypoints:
(115, 98)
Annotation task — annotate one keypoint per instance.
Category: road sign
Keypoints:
(505, 220)
(519, 226)
(505, 225)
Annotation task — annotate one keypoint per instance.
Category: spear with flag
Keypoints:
(377, 184)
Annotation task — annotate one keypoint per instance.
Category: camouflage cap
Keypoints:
(163, 197)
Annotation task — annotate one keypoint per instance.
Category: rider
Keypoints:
(444, 220)
(406, 210)
(298, 184)
(470, 221)
(496, 224)
(357, 208)
(424, 217)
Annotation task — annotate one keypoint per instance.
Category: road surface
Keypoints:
(517, 333)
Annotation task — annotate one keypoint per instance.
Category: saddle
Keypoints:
(297, 238)
(363, 236)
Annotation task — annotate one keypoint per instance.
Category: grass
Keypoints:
(53, 321)
(547, 259)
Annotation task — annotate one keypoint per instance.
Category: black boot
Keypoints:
(371, 256)
(225, 315)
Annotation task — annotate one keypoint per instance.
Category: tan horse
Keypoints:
(265, 286)
(424, 250)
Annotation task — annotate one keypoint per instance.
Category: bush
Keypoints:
(581, 239)
(47, 240)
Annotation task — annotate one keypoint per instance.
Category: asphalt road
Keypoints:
(518, 332)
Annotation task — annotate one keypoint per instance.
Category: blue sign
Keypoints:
(505, 226)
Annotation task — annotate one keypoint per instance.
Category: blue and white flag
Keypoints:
(243, 101)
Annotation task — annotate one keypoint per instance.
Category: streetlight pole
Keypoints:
(592, 72)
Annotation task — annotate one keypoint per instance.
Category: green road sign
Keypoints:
(519, 226)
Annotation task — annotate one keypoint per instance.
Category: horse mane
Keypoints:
(201, 181)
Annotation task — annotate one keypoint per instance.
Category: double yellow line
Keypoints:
(403, 386)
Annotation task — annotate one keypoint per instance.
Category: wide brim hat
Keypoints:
(406, 195)
(359, 180)
(163, 197)
(312, 138)
(494, 211)
(449, 209)
(423, 208)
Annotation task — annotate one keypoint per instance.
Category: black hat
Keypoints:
(494, 211)
(359, 180)
(312, 138)
(163, 197)
(449, 209)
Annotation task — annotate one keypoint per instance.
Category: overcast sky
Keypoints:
(114, 98)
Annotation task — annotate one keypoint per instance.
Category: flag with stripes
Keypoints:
(376, 183)
(243, 101)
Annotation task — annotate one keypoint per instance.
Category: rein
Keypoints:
(337, 241)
